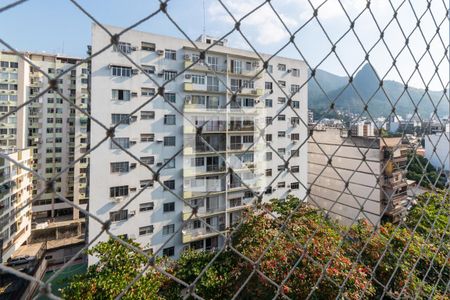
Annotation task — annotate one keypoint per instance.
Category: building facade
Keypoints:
(15, 193)
(216, 168)
(50, 126)
(364, 179)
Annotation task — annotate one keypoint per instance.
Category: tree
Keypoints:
(311, 250)
(116, 268)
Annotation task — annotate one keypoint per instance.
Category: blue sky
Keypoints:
(57, 26)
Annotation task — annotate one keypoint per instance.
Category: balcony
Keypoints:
(199, 66)
(201, 233)
(190, 87)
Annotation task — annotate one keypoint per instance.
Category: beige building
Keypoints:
(55, 131)
(15, 194)
(362, 178)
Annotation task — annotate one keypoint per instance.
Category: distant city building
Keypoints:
(202, 177)
(310, 117)
(362, 178)
(437, 147)
(15, 194)
(50, 126)
(363, 128)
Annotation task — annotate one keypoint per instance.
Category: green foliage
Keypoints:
(117, 266)
(309, 249)
(418, 167)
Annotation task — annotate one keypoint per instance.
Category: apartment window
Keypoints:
(146, 230)
(170, 184)
(295, 186)
(120, 118)
(295, 88)
(269, 102)
(280, 168)
(147, 183)
(281, 117)
(168, 229)
(170, 163)
(295, 153)
(170, 251)
(295, 169)
(168, 207)
(4, 64)
(118, 191)
(121, 95)
(213, 62)
(170, 97)
(120, 167)
(270, 68)
(3, 86)
(248, 102)
(120, 215)
(146, 206)
(281, 151)
(196, 224)
(169, 119)
(149, 69)
(145, 46)
(282, 67)
(124, 142)
(198, 79)
(169, 75)
(169, 141)
(295, 136)
(296, 72)
(268, 172)
(123, 47)
(198, 162)
(148, 160)
(268, 85)
(148, 91)
(282, 83)
(147, 115)
(247, 139)
(281, 100)
(268, 156)
(268, 120)
(295, 104)
(281, 184)
(170, 54)
(281, 133)
(121, 71)
(147, 137)
(268, 137)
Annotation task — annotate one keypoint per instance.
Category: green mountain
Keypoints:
(366, 86)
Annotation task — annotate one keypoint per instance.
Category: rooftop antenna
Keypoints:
(204, 18)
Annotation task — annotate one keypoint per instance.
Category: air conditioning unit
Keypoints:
(187, 98)
(160, 74)
(188, 76)
(159, 141)
(132, 213)
(133, 118)
(159, 164)
(294, 142)
(133, 165)
(133, 189)
(133, 142)
(289, 70)
(160, 52)
(135, 71)
(134, 94)
(117, 199)
(187, 57)
(134, 48)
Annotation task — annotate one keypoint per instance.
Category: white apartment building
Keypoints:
(199, 174)
(357, 177)
(363, 128)
(15, 193)
(437, 150)
(56, 132)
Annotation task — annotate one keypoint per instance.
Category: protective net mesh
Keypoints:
(371, 221)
